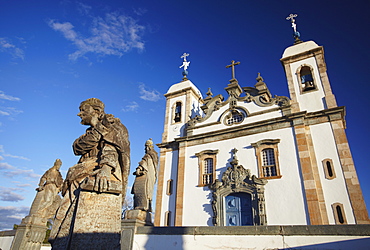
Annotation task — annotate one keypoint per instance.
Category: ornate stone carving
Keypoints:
(89, 216)
(146, 176)
(237, 179)
(259, 94)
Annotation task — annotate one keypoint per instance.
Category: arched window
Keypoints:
(167, 218)
(306, 78)
(328, 169)
(177, 116)
(234, 116)
(268, 162)
(339, 216)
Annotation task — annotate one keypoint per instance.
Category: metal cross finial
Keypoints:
(232, 65)
(184, 56)
(294, 26)
(185, 63)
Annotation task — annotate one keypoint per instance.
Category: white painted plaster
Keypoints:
(170, 172)
(218, 116)
(191, 242)
(175, 130)
(299, 48)
(335, 190)
(280, 194)
(6, 242)
(312, 100)
(183, 85)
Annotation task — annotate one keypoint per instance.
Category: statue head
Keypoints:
(57, 164)
(149, 144)
(91, 111)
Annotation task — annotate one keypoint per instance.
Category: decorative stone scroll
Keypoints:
(237, 179)
(259, 94)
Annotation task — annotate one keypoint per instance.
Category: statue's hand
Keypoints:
(102, 179)
(139, 171)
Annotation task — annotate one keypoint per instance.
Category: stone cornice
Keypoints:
(301, 56)
(181, 92)
(335, 230)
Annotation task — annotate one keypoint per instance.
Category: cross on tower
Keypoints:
(184, 56)
(292, 16)
(232, 65)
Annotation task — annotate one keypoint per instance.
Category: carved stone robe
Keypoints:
(144, 182)
(86, 218)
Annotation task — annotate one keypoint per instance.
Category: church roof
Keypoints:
(299, 48)
(183, 85)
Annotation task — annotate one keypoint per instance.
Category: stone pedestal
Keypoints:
(93, 223)
(141, 216)
(133, 219)
(30, 233)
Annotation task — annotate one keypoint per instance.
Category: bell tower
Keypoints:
(305, 69)
(183, 102)
(311, 94)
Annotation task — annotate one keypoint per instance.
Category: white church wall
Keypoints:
(175, 129)
(334, 189)
(6, 242)
(170, 173)
(313, 100)
(279, 193)
(216, 241)
(195, 107)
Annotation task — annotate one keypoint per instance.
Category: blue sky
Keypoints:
(55, 54)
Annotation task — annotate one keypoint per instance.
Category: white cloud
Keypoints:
(8, 97)
(16, 157)
(140, 11)
(11, 215)
(11, 171)
(24, 185)
(7, 194)
(4, 113)
(28, 173)
(8, 47)
(133, 106)
(4, 165)
(147, 95)
(83, 8)
(113, 35)
(8, 111)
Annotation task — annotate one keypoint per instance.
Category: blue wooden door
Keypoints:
(238, 209)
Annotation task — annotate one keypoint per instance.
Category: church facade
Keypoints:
(251, 158)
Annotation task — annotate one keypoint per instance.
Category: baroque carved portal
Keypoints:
(238, 182)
